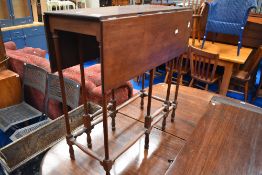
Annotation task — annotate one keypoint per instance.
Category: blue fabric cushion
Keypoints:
(228, 16)
(224, 27)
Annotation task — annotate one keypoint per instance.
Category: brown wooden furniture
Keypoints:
(198, 7)
(66, 28)
(3, 58)
(166, 144)
(193, 105)
(227, 59)
(203, 66)
(120, 2)
(227, 140)
(183, 67)
(10, 93)
(243, 76)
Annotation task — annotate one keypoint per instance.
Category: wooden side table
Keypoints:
(10, 91)
(140, 28)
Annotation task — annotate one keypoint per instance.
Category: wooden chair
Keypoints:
(184, 68)
(198, 7)
(203, 67)
(228, 17)
(242, 78)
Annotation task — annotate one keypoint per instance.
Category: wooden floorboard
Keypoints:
(136, 160)
(129, 121)
(192, 105)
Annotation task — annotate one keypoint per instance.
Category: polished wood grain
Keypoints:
(225, 51)
(120, 2)
(129, 121)
(227, 140)
(152, 41)
(10, 93)
(255, 19)
(227, 59)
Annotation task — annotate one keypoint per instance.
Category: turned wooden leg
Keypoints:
(191, 82)
(181, 79)
(206, 87)
(89, 139)
(194, 31)
(107, 165)
(113, 111)
(71, 149)
(148, 118)
(167, 73)
(142, 92)
(86, 116)
(198, 30)
(146, 140)
(246, 91)
(175, 103)
(226, 78)
(219, 84)
(55, 38)
(167, 103)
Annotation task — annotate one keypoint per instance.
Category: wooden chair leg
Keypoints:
(194, 31)
(198, 30)
(181, 79)
(206, 87)
(167, 74)
(219, 84)
(246, 91)
(191, 82)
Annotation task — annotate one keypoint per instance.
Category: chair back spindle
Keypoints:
(194, 4)
(203, 65)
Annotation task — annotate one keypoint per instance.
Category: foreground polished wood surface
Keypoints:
(227, 140)
(192, 105)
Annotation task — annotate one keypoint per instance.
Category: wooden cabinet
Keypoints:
(30, 37)
(120, 2)
(10, 93)
(15, 12)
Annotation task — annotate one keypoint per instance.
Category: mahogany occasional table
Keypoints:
(129, 40)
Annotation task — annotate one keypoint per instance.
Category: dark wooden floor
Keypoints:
(163, 145)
